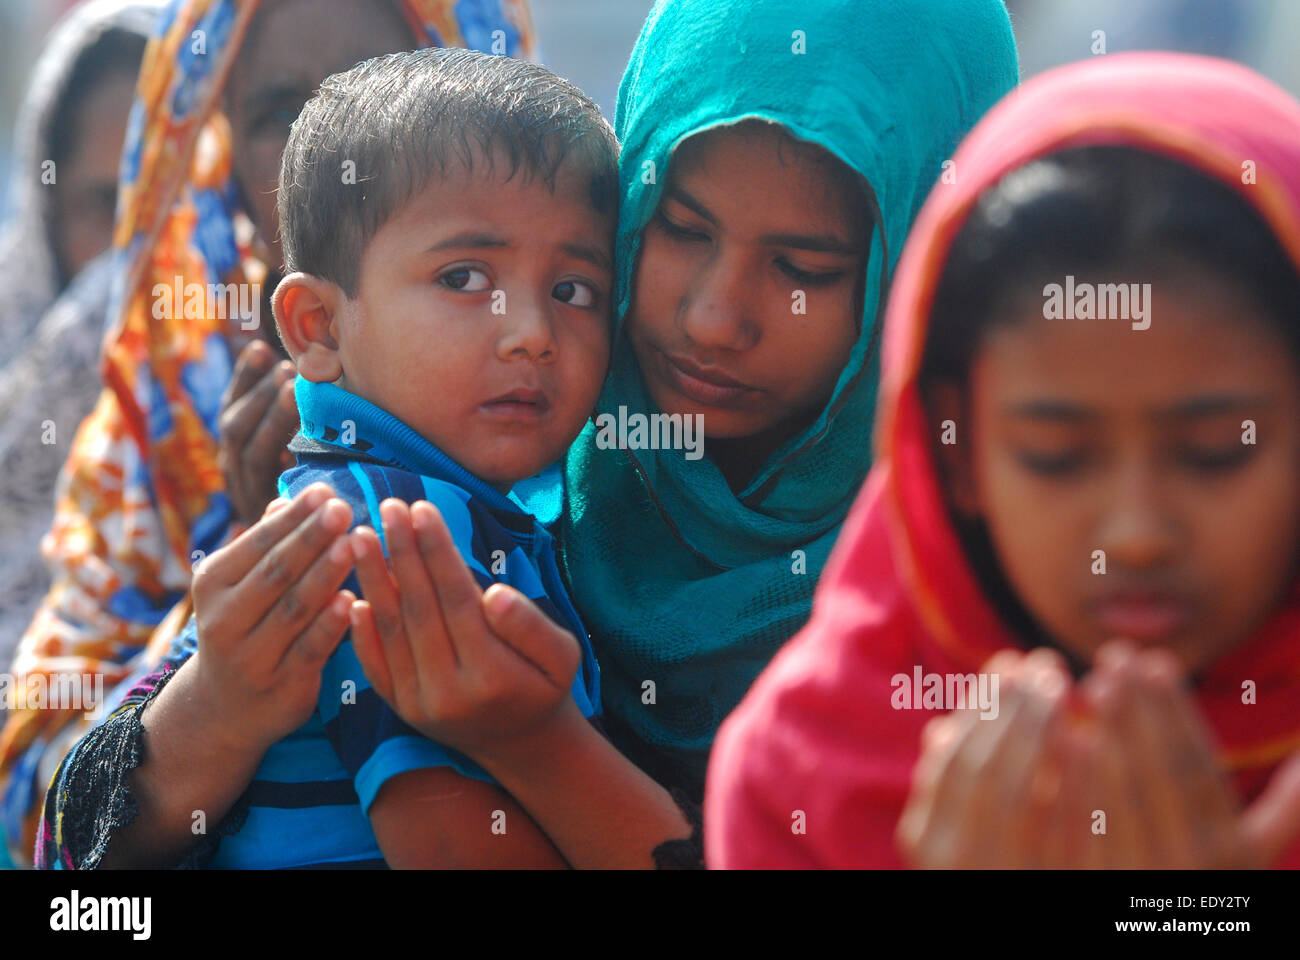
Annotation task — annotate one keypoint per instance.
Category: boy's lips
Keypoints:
(518, 404)
(706, 385)
(1141, 615)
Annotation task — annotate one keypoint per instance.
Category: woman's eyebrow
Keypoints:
(686, 200)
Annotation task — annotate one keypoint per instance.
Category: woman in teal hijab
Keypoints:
(685, 580)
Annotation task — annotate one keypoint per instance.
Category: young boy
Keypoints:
(447, 221)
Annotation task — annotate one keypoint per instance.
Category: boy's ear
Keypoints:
(306, 311)
(946, 402)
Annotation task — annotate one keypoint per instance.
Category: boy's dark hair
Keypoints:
(402, 118)
(1091, 209)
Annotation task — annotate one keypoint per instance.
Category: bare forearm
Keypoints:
(597, 807)
(190, 764)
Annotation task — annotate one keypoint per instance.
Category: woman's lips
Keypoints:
(1139, 617)
(701, 384)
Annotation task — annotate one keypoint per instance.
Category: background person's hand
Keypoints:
(270, 614)
(258, 419)
(473, 670)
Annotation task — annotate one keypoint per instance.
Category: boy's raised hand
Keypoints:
(470, 669)
(270, 613)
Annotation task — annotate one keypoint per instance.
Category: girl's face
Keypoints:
(747, 294)
(1170, 454)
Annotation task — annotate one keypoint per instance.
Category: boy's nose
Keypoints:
(524, 330)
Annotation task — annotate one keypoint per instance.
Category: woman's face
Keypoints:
(1140, 484)
(86, 198)
(747, 293)
(291, 47)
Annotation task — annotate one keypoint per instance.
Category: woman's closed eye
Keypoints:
(576, 293)
(809, 277)
(678, 230)
(465, 280)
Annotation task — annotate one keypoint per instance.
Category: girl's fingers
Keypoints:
(521, 625)
(1127, 842)
(1021, 759)
(370, 650)
(231, 564)
(459, 594)
(1208, 807)
(317, 643)
(384, 614)
(419, 605)
(278, 631)
(1272, 823)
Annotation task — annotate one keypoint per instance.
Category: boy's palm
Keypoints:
(469, 669)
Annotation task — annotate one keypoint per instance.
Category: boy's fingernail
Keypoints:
(496, 602)
(340, 551)
(316, 495)
(336, 515)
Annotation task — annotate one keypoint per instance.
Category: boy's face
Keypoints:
(1088, 435)
(482, 318)
(748, 217)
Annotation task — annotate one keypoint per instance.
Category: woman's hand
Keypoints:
(258, 419)
(270, 614)
(430, 642)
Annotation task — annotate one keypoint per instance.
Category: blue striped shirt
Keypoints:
(309, 801)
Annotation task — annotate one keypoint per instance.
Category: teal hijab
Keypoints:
(688, 587)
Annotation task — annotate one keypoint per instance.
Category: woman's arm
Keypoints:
(489, 674)
(268, 614)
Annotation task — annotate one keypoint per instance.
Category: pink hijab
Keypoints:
(816, 734)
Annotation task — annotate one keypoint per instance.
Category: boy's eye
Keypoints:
(466, 279)
(804, 276)
(575, 293)
(679, 231)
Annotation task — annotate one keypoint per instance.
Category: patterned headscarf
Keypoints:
(142, 498)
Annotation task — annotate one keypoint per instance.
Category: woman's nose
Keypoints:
(719, 310)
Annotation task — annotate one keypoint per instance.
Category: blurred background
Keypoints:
(588, 41)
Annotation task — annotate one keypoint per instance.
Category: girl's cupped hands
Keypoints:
(1116, 771)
